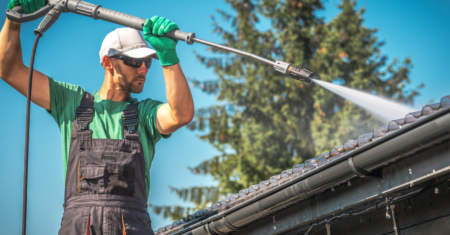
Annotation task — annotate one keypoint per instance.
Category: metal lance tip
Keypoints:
(294, 71)
(299, 73)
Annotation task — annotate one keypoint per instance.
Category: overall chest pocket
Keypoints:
(92, 180)
(107, 173)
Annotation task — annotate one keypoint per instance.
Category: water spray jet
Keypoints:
(383, 109)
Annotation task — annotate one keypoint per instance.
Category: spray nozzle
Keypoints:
(294, 71)
(299, 73)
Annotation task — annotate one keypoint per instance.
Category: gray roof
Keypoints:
(298, 170)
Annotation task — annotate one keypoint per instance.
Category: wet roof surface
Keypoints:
(300, 169)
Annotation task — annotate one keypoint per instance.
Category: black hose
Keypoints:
(27, 137)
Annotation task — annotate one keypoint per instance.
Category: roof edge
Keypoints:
(411, 138)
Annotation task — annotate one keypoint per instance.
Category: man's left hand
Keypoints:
(154, 30)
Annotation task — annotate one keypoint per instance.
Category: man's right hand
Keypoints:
(28, 6)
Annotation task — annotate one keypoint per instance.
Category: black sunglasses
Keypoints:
(133, 62)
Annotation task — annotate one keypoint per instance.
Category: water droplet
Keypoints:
(332, 189)
(274, 227)
(349, 184)
(434, 171)
(411, 184)
(436, 190)
(410, 172)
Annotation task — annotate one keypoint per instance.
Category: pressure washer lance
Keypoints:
(56, 7)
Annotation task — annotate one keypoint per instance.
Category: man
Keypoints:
(108, 137)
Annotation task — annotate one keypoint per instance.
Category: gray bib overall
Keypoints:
(105, 179)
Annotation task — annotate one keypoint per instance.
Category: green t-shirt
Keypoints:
(106, 122)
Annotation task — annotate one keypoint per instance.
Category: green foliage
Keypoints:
(271, 122)
(172, 212)
(199, 195)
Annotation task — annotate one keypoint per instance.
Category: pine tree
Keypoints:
(270, 122)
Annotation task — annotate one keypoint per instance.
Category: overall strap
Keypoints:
(131, 121)
(84, 112)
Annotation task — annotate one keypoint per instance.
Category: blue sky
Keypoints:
(69, 52)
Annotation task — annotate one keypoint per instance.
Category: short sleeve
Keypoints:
(64, 99)
(148, 109)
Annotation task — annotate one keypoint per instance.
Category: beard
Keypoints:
(127, 85)
(130, 86)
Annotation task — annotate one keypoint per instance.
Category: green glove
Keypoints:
(154, 29)
(28, 6)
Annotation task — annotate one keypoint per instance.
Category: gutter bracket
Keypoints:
(213, 229)
(229, 225)
(362, 173)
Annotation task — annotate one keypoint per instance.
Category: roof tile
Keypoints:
(364, 139)
(334, 152)
(208, 209)
(350, 145)
(410, 118)
(234, 197)
(176, 223)
(427, 110)
(325, 154)
(417, 114)
(284, 177)
(298, 170)
(216, 205)
(445, 101)
(378, 132)
(286, 173)
(321, 160)
(400, 121)
(393, 125)
(264, 184)
(308, 164)
(311, 162)
(274, 179)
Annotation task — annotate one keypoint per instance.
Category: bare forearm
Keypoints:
(14, 72)
(178, 94)
(10, 49)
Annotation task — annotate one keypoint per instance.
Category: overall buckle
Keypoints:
(130, 120)
(84, 117)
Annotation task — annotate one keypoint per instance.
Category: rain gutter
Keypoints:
(401, 143)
